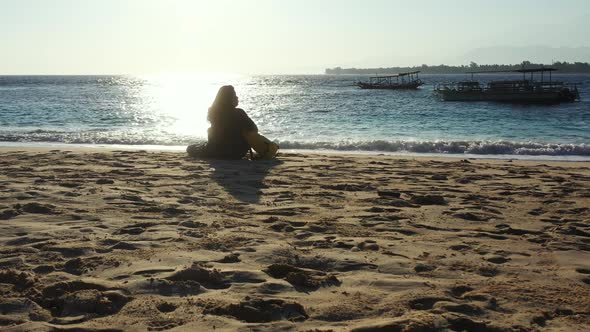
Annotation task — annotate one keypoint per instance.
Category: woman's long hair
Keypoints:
(224, 100)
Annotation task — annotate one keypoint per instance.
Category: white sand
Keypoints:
(132, 240)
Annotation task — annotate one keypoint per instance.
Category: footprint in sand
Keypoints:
(488, 271)
(135, 229)
(8, 214)
(368, 245)
(460, 247)
(286, 211)
(498, 259)
(79, 298)
(37, 208)
(302, 280)
(458, 291)
(462, 308)
(19, 279)
(44, 269)
(79, 266)
(17, 310)
(428, 200)
(473, 216)
(210, 279)
(422, 268)
(426, 303)
(260, 310)
(166, 307)
(231, 258)
(584, 271)
(163, 324)
(164, 287)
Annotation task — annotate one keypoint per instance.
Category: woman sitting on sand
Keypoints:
(226, 138)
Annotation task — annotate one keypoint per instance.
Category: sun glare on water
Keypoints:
(180, 100)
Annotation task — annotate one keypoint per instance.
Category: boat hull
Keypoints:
(508, 97)
(389, 87)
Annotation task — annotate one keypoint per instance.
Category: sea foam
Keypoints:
(394, 146)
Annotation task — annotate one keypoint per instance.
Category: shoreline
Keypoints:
(42, 146)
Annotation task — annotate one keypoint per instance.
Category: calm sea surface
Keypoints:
(300, 112)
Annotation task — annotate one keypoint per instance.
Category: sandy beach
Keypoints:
(100, 240)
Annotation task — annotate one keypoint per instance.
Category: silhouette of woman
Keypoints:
(228, 123)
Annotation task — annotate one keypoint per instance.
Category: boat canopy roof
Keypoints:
(398, 75)
(532, 70)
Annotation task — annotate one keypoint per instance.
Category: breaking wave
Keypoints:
(433, 147)
(449, 147)
(96, 137)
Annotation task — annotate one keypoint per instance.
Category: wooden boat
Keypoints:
(517, 91)
(407, 80)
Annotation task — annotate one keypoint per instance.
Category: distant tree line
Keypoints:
(563, 67)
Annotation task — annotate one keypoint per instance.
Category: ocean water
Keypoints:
(316, 112)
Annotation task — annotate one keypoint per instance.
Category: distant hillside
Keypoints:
(563, 67)
(514, 54)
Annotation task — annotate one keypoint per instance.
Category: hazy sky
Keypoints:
(279, 36)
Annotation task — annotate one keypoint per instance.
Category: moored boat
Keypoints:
(407, 80)
(517, 91)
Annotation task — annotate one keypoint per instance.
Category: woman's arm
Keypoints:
(247, 123)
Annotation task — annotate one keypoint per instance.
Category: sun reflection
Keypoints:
(181, 100)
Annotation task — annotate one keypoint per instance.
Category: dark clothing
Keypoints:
(225, 140)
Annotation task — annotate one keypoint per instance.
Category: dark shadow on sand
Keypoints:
(243, 179)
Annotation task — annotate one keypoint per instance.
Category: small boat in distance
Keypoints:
(514, 91)
(407, 80)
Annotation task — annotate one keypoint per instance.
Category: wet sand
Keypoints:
(134, 240)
